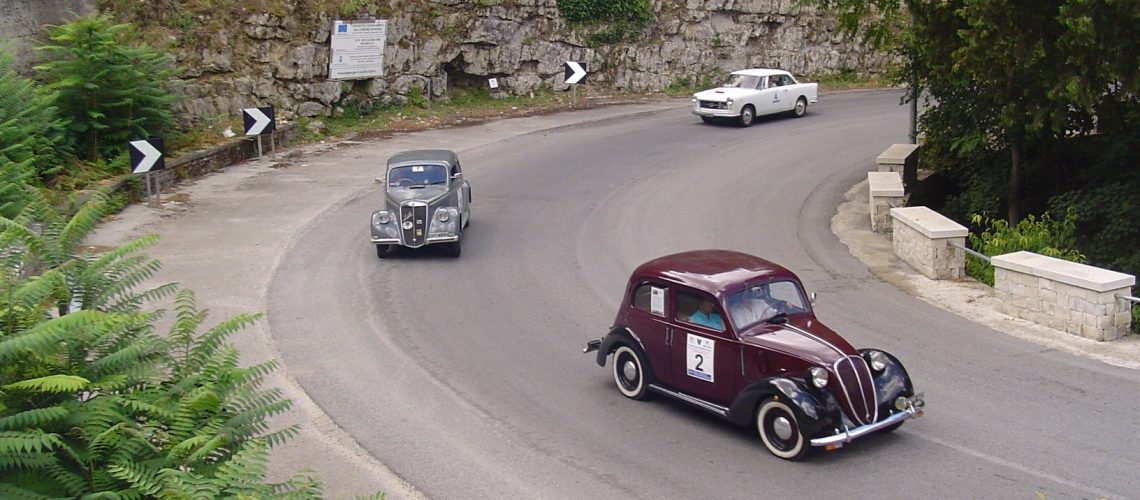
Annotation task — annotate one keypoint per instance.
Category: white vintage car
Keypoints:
(754, 92)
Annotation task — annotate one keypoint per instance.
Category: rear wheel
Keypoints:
(747, 116)
(780, 430)
(383, 251)
(801, 108)
(629, 373)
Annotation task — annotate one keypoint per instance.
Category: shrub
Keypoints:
(31, 137)
(109, 92)
(618, 19)
(1045, 236)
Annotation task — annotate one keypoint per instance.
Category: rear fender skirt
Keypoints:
(620, 335)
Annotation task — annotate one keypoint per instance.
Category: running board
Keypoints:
(699, 403)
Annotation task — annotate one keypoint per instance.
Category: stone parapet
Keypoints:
(902, 158)
(922, 238)
(1076, 298)
(886, 192)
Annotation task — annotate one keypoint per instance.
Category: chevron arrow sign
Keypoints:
(258, 120)
(575, 72)
(146, 155)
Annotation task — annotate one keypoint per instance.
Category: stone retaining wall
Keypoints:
(921, 237)
(886, 192)
(1068, 296)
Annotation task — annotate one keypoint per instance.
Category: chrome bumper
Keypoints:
(716, 113)
(430, 240)
(913, 409)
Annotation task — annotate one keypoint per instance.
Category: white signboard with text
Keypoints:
(357, 49)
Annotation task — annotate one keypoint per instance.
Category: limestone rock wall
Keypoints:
(279, 56)
(22, 21)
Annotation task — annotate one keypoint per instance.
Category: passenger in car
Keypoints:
(706, 316)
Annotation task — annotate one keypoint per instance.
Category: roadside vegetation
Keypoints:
(1027, 109)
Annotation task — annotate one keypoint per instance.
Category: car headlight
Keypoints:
(877, 360)
(818, 376)
(381, 217)
(728, 102)
(442, 215)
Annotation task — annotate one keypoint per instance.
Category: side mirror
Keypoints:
(456, 175)
(379, 180)
(811, 298)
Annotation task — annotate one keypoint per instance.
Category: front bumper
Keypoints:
(913, 409)
(715, 113)
(429, 241)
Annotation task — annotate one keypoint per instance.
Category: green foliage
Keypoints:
(31, 137)
(614, 20)
(416, 98)
(1045, 236)
(110, 89)
(94, 402)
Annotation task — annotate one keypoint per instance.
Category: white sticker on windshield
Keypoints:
(657, 301)
(699, 357)
(418, 168)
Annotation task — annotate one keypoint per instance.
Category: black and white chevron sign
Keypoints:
(146, 155)
(258, 120)
(575, 72)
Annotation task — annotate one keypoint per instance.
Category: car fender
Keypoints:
(620, 335)
(810, 412)
(893, 381)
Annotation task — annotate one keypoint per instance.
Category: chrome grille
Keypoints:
(858, 389)
(413, 223)
(714, 105)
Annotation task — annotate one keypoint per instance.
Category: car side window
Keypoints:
(649, 298)
(697, 310)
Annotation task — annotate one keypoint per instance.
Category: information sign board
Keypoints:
(357, 49)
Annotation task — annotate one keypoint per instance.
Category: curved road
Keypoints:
(465, 376)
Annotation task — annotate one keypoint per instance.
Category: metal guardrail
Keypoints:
(1128, 298)
(971, 252)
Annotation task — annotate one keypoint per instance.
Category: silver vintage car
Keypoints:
(426, 202)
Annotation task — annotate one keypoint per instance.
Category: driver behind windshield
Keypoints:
(417, 176)
(753, 305)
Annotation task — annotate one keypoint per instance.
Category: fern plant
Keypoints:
(31, 137)
(94, 402)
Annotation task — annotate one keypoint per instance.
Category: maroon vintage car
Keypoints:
(735, 335)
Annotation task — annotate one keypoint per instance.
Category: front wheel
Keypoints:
(707, 119)
(383, 251)
(629, 373)
(780, 430)
(801, 108)
(747, 116)
(456, 248)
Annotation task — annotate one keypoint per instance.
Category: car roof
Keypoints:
(761, 72)
(717, 272)
(425, 156)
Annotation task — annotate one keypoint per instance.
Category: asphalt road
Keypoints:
(465, 376)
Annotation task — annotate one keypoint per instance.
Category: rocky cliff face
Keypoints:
(22, 21)
(281, 58)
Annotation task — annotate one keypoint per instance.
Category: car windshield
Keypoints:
(417, 176)
(742, 81)
(761, 302)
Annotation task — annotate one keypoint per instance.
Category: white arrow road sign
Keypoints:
(575, 73)
(145, 156)
(258, 120)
